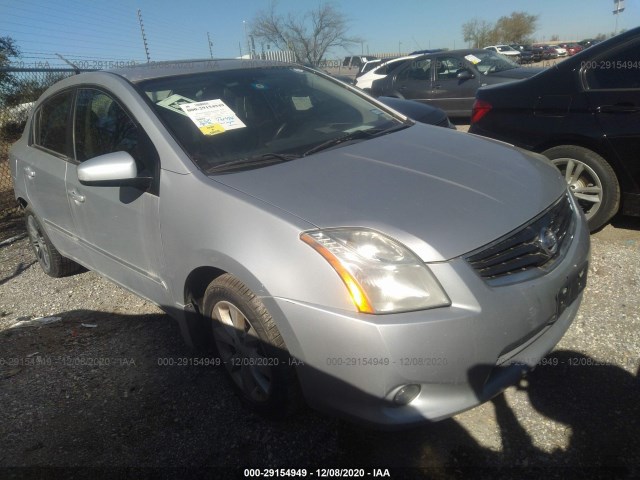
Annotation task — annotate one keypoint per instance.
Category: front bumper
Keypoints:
(353, 364)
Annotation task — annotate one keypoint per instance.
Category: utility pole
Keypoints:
(210, 45)
(618, 9)
(246, 38)
(144, 37)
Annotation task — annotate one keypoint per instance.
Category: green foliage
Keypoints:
(515, 28)
(8, 50)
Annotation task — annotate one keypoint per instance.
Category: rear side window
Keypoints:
(51, 123)
(388, 67)
(620, 70)
(417, 70)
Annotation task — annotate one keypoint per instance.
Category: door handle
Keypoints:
(29, 172)
(618, 108)
(76, 197)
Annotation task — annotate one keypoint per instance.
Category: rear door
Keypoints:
(44, 168)
(613, 92)
(414, 81)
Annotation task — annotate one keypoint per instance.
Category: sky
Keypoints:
(89, 32)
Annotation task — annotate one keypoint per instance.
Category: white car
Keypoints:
(562, 52)
(365, 81)
(505, 50)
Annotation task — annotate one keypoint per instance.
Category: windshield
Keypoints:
(490, 62)
(231, 116)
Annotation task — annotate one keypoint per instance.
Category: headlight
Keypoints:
(382, 275)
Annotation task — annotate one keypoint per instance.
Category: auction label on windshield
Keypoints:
(212, 116)
(174, 101)
(473, 59)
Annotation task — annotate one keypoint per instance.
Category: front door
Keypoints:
(450, 93)
(118, 226)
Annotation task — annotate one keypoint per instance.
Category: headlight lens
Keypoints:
(382, 275)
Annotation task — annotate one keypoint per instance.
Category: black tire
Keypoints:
(53, 263)
(592, 180)
(269, 385)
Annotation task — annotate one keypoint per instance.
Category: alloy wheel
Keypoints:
(39, 243)
(241, 351)
(584, 183)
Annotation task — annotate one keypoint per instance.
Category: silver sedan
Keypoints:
(392, 272)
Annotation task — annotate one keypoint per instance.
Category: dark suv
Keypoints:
(584, 115)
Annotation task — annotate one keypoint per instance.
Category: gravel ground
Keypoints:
(86, 391)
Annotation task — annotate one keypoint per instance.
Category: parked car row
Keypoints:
(448, 79)
(584, 115)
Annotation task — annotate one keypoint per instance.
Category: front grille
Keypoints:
(529, 251)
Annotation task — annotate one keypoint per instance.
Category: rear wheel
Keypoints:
(53, 263)
(592, 181)
(250, 346)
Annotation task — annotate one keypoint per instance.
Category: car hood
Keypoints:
(517, 73)
(440, 192)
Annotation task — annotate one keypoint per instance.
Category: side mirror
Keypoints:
(112, 169)
(465, 75)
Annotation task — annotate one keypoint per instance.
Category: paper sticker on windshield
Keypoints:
(212, 116)
(174, 101)
(473, 59)
(301, 103)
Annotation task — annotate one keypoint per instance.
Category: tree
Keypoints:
(8, 49)
(16, 89)
(479, 33)
(309, 36)
(516, 28)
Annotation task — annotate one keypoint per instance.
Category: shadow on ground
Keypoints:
(103, 390)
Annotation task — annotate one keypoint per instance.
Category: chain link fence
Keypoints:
(19, 89)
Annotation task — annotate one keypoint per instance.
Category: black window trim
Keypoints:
(583, 68)
(154, 188)
(35, 122)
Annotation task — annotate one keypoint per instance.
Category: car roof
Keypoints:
(398, 59)
(464, 51)
(154, 70)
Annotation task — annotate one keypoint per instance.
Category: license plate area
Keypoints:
(571, 289)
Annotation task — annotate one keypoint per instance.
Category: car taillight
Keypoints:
(480, 109)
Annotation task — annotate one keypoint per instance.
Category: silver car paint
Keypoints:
(442, 197)
(112, 166)
(440, 192)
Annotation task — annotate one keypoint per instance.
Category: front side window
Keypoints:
(489, 61)
(617, 70)
(51, 121)
(448, 68)
(228, 116)
(102, 126)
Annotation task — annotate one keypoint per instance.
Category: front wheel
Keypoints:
(250, 346)
(592, 181)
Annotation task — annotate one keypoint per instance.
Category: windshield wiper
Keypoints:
(355, 135)
(253, 161)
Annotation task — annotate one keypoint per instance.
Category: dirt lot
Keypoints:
(89, 390)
